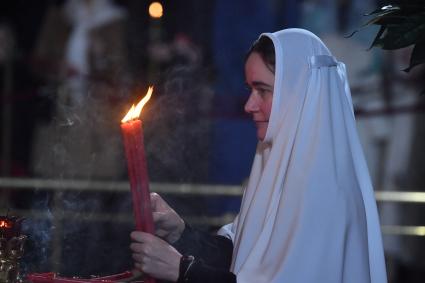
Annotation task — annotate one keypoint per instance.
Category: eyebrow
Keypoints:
(260, 84)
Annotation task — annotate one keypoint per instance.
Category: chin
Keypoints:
(261, 135)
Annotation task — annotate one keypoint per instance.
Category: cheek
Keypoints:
(267, 108)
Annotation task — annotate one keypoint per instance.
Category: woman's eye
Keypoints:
(262, 91)
(257, 90)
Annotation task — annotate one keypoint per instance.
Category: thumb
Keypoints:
(154, 201)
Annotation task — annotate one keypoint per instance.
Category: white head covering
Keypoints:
(308, 213)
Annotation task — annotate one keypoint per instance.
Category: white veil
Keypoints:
(308, 213)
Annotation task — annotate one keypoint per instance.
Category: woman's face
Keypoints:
(260, 81)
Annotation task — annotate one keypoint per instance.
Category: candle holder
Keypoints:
(11, 251)
(51, 277)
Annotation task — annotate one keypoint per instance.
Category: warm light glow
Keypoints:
(155, 10)
(5, 224)
(135, 111)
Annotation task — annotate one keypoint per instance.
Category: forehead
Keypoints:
(256, 69)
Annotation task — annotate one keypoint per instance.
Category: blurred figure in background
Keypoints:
(82, 56)
(81, 59)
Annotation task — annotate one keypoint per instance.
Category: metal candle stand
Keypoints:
(11, 251)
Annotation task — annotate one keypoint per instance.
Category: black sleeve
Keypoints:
(213, 250)
(200, 272)
(213, 256)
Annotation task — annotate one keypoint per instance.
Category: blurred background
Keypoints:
(70, 70)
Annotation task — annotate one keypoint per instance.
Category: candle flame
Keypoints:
(135, 111)
(5, 224)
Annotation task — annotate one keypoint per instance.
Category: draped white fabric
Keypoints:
(308, 213)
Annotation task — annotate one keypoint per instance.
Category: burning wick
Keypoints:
(132, 132)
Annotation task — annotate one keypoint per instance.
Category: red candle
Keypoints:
(132, 132)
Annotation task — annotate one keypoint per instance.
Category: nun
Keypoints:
(308, 212)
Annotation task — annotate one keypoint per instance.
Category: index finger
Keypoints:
(140, 237)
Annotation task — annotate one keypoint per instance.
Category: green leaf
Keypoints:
(388, 19)
(380, 20)
(418, 56)
(401, 36)
(351, 34)
(411, 9)
(384, 9)
(378, 35)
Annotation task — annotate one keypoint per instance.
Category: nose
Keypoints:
(251, 105)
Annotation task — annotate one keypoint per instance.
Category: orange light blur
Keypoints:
(5, 224)
(156, 10)
(135, 111)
